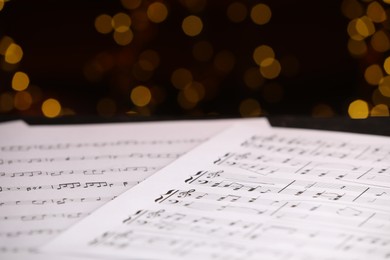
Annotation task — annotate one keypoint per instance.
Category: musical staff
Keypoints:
(247, 194)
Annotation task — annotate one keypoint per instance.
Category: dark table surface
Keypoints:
(373, 125)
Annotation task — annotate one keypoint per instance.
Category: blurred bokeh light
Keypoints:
(195, 58)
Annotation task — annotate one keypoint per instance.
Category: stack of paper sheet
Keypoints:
(249, 192)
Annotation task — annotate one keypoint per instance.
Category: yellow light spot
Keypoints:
(386, 65)
(131, 4)
(157, 12)
(202, 51)
(181, 77)
(380, 110)
(386, 1)
(6, 102)
(237, 12)
(270, 68)
(250, 108)
(273, 93)
(194, 92)
(2, 4)
(253, 78)
(352, 31)
(20, 81)
(192, 25)
(358, 109)
(22, 100)
(263, 52)
(141, 96)
(376, 12)
(357, 48)
(322, 110)
(384, 86)
(149, 60)
(373, 74)
(51, 108)
(13, 54)
(5, 42)
(380, 41)
(103, 24)
(124, 37)
(261, 14)
(224, 61)
(365, 27)
(106, 107)
(352, 9)
(121, 22)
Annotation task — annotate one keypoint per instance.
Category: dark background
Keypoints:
(60, 45)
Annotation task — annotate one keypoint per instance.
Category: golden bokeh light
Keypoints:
(353, 32)
(181, 77)
(22, 100)
(121, 22)
(357, 48)
(373, 74)
(364, 26)
(103, 24)
(322, 110)
(384, 86)
(202, 51)
(149, 60)
(131, 4)
(2, 4)
(157, 12)
(270, 68)
(20, 81)
(236, 12)
(6, 102)
(123, 37)
(380, 110)
(5, 42)
(51, 108)
(386, 65)
(106, 107)
(194, 92)
(249, 108)
(141, 96)
(376, 12)
(358, 109)
(262, 52)
(224, 61)
(192, 25)
(352, 8)
(261, 14)
(380, 41)
(377, 98)
(253, 78)
(13, 54)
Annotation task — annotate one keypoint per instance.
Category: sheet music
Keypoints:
(52, 176)
(245, 194)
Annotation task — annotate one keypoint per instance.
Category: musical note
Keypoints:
(249, 194)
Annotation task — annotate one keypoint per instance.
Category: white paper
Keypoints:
(245, 194)
(52, 176)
